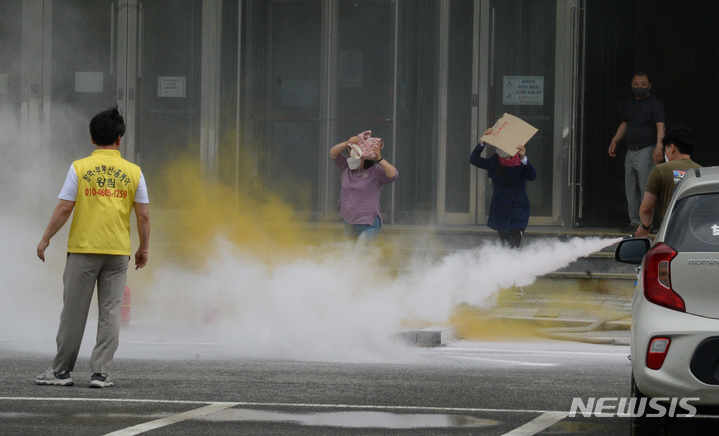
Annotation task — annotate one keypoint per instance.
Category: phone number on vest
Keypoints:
(106, 193)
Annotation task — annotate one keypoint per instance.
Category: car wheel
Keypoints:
(641, 425)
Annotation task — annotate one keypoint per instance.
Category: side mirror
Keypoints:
(632, 250)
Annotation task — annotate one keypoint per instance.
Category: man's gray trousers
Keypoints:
(82, 272)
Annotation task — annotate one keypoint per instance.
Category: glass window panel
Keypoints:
(10, 54)
(292, 159)
(228, 146)
(80, 44)
(169, 118)
(365, 75)
(415, 190)
(524, 35)
(459, 106)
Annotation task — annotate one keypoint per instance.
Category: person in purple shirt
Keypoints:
(362, 182)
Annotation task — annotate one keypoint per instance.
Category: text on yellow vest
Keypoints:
(106, 186)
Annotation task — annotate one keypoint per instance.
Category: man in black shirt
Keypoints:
(643, 126)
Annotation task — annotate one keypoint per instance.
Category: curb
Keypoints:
(430, 336)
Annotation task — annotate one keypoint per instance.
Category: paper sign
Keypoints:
(523, 90)
(508, 133)
(171, 86)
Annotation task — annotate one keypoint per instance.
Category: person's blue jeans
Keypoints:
(363, 232)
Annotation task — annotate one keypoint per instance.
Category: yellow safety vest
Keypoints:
(106, 186)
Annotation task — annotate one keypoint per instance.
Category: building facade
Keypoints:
(259, 90)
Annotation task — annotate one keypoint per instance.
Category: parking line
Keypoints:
(545, 420)
(538, 424)
(270, 405)
(489, 359)
(107, 400)
(192, 414)
(479, 350)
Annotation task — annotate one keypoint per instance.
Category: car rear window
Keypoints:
(694, 224)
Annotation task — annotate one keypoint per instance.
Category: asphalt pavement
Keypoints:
(463, 388)
(173, 380)
(518, 388)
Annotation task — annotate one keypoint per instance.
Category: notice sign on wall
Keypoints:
(523, 90)
(168, 86)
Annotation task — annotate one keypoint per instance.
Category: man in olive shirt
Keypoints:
(678, 145)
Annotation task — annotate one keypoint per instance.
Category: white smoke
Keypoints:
(30, 170)
(341, 305)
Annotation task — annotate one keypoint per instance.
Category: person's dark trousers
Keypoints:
(513, 238)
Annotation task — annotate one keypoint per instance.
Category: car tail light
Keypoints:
(658, 280)
(658, 348)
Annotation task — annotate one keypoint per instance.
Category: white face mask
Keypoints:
(666, 158)
(353, 163)
(355, 151)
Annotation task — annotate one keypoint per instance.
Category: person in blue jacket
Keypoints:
(509, 210)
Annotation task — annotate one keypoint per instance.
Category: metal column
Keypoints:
(35, 66)
(127, 17)
(210, 89)
(442, 110)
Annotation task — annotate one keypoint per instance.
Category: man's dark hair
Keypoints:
(641, 74)
(682, 139)
(106, 126)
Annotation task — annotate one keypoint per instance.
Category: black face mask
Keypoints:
(368, 164)
(640, 92)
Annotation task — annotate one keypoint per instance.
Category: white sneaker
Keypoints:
(100, 381)
(52, 378)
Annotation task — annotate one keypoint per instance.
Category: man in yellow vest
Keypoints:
(103, 189)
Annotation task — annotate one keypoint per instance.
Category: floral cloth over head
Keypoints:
(366, 142)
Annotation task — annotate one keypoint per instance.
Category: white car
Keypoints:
(675, 310)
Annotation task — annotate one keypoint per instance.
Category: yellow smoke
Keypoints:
(189, 213)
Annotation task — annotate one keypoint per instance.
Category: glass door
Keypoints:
(10, 53)
(365, 82)
(291, 160)
(459, 71)
(104, 53)
(328, 76)
(165, 104)
(83, 73)
(521, 59)
(94, 66)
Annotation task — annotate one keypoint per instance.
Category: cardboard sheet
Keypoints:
(509, 132)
